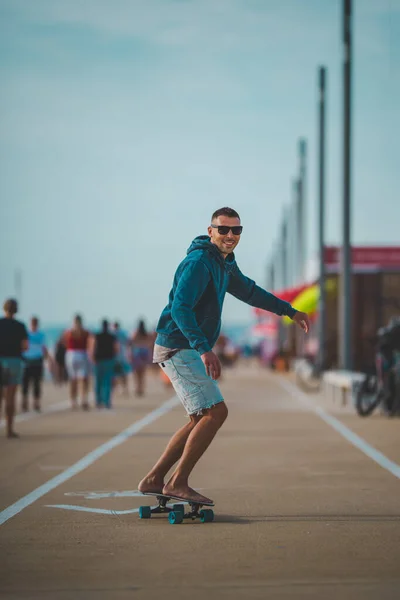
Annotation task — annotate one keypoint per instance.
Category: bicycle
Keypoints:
(383, 389)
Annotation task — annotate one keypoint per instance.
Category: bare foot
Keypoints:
(12, 435)
(151, 485)
(185, 493)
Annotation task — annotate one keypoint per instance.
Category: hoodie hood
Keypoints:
(202, 242)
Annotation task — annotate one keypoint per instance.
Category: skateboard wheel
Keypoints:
(178, 507)
(145, 512)
(206, 515)
(175, 517)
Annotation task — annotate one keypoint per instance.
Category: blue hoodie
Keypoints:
(192, 318)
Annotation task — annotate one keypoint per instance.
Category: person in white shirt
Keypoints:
(34, 358)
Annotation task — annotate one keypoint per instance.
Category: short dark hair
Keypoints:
(104, 325)
(10, 306)
(35, 320)
(225, 212)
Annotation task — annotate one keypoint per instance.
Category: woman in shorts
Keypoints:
(13, 342)
(77, 362)
(141, 346)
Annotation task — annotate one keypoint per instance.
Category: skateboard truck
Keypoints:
(176, 512)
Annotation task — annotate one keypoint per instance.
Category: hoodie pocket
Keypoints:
(211, 328)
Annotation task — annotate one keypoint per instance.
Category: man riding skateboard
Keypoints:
(187, 330)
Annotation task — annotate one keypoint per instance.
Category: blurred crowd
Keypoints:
(84, 360)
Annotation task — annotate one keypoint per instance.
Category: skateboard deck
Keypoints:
(177, 513)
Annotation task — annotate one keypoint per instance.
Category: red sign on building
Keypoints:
(365, 257)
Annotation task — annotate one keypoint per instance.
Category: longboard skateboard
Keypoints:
(176, 512)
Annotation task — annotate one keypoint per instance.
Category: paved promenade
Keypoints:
(307, 501)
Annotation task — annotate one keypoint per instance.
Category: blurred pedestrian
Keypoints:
(141, 344)
(60, 370)
(13, 342)
(121, 358)
(77, 363)
(103, 348)
(33, 368)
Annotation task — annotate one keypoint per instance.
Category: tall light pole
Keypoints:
(283, 245)
(299, 231)
(321, 219)
(285, 253)
(293, 233)
(345, 349)
(271, 276)
(291, 242)
(302, 209)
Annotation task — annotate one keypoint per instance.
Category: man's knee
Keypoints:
(219, 412)
(194, 419)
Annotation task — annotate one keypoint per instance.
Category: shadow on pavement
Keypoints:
(100, 435)
(308, 518)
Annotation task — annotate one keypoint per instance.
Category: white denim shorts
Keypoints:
(77, 364)
(195, 389)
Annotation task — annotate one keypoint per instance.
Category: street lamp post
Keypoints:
(346, 271)
(321, 223)
(302, 210)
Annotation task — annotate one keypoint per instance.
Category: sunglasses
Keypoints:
(224, 229)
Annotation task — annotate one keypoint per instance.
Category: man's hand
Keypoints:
(302, 320)
(212, 364)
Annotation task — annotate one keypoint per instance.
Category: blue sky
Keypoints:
(125, 124)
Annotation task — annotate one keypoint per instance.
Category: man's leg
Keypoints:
(120, 377)
(154, 480)
(10, 392)
(37, 371)
(107, 382)
(197, 443)
(85, 392)
(97, 384)
(139, 380)
(73, 391)
(124, 381)
(25, 386)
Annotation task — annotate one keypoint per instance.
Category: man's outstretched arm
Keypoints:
(248, 291)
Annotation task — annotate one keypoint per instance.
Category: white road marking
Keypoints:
(32, 414)
(100, 495)
(100, 511)
(344, 431)
(87, 460)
